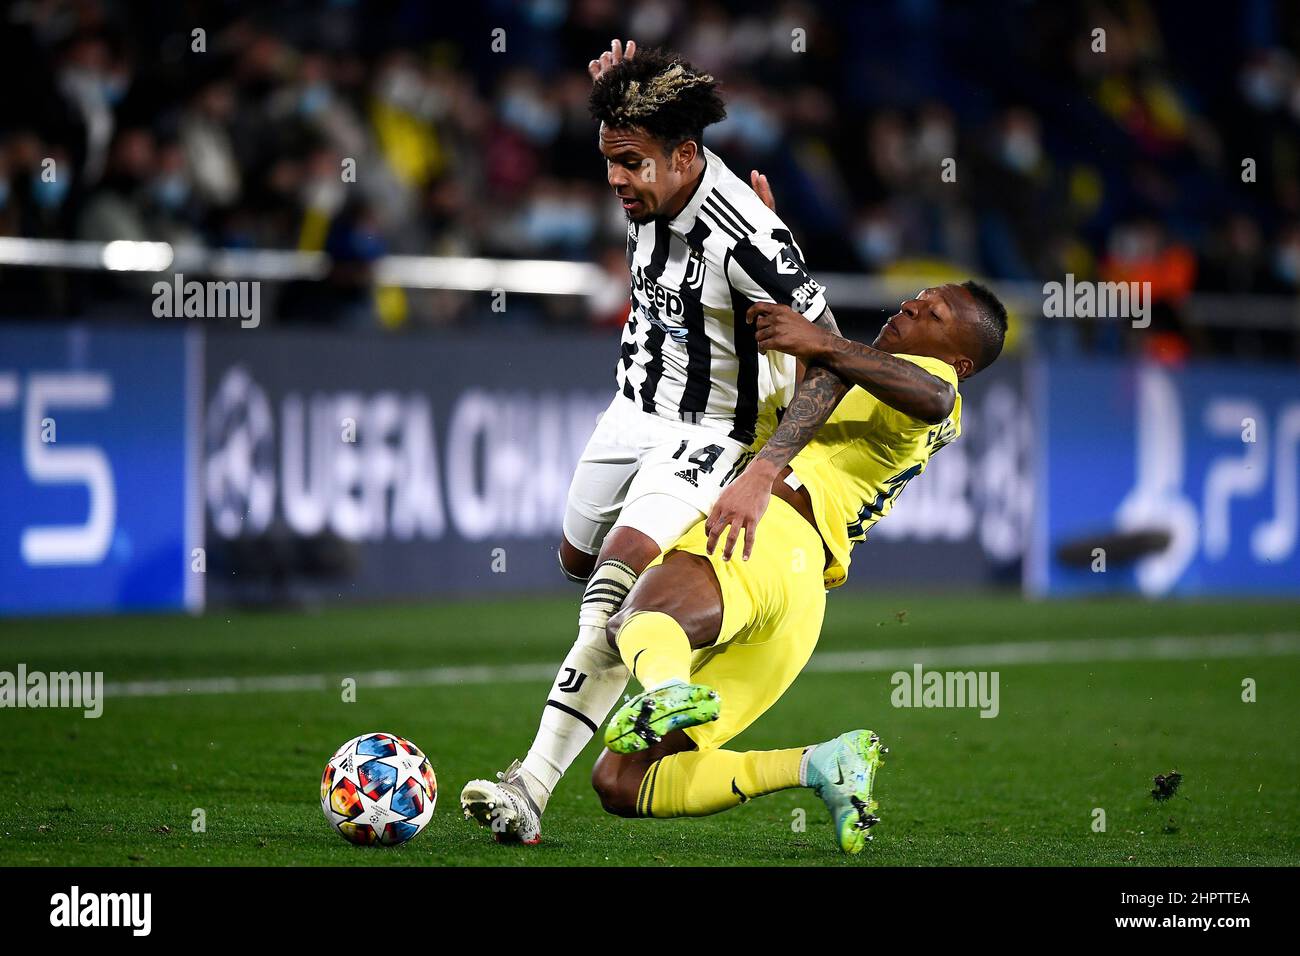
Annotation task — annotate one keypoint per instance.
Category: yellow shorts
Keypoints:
(772, 607)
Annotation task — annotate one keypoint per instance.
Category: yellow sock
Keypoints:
(655, 648)
(699, 782)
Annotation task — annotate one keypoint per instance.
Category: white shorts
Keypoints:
(634, 454)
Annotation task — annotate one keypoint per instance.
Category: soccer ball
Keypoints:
(378, 788)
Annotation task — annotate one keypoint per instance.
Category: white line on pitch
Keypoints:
(1087, 650)
(1091, 650)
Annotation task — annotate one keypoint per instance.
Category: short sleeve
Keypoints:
(936, 367)
(901, 421)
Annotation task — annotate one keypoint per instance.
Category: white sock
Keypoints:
(587, 686)
(803, 765)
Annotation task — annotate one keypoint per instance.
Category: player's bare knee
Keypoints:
(576, 564)
(630, 546)
(615, 786)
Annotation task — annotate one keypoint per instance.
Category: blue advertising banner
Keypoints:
(1166, 481)
(339, 466)
(347, 467)
(316, 466)
(94, 468)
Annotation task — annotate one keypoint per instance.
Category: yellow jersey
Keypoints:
(861, 459)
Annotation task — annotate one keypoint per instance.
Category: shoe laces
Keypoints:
(513, 778)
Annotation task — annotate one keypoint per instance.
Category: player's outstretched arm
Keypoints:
(900, 384)
(611, 57)
(742, 505)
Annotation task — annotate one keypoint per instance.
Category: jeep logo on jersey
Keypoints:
(666, 300)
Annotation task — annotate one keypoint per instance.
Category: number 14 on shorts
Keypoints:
(705, 458)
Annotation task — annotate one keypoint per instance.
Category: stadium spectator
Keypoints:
(461, 150)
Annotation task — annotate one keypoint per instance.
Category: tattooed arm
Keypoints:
(744, 502)
(900, 384)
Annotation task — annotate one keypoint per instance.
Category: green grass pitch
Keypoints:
(1019, 789)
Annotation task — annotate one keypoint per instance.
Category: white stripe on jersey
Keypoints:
(687, 352)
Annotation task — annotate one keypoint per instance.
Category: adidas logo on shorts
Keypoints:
(692, 475)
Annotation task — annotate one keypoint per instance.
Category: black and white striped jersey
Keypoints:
(687, 352)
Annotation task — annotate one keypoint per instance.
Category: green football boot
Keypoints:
(643, 720)
(843, 772)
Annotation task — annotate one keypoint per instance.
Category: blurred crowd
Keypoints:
(1164, 148)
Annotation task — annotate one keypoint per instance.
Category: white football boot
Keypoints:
(504, 807)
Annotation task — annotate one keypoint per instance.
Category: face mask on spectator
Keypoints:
(557, 221)
(113, 89)
(751, 125)
(1262, 87)
(323, 195)
(171, 191)
(404, 89)
(1020, 151)
(1286, 263)
(936, 140)
(877, 243)
(531, 116)
(49, 194)
(314, 99)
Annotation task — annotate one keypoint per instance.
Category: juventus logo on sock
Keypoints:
(572, 682)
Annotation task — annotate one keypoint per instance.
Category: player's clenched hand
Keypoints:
(739, 508)
(614, 55)
(782, 329)
(759, 182)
